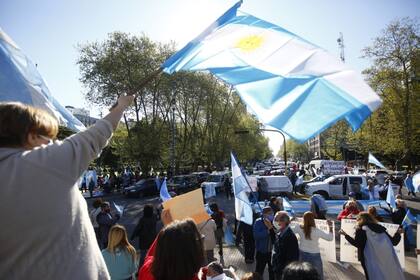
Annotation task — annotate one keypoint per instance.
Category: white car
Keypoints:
(337, 186)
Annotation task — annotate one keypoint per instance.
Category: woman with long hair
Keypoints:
(176, 254)
(375, 248)
(120, 256)
(309, 237)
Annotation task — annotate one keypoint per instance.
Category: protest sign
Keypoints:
(189, 205)
(326, 248)
(348, 253)
(418, 241)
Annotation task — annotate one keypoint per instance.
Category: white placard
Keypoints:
(348, 253)
(326, 248)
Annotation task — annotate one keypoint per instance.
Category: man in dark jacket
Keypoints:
(286, 248)
(263, 244)
(146, 231)
(105, 222)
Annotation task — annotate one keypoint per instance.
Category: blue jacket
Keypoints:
(261, 236)
(121, 264)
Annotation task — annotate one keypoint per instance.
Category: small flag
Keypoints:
(243, 208)
(390, 198)
(119, 208)
(409, 219)
(374, 161)
(164, 194)
(288, 207)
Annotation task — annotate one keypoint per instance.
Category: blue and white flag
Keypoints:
(289, 83)
(390, 197)
(416, 181)
(243, 208)
(374, 161)
(164, 194)
(288, 207)
(158, 183)
(406, 223)
(119, 208)
(409, 219)
(20, 81)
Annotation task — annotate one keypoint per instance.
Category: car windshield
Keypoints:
(330, 179)
(214, 178)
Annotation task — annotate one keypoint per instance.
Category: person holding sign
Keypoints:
(48, 190)
(375, 249)
(309, 236)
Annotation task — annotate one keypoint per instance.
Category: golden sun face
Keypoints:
(249, 43)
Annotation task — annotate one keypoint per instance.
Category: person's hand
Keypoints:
(124, 101)
(166, 217)
(342, 232)
(400, 230)
(268, 224)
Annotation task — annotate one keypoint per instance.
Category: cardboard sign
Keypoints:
(188, 205)
(348, 253)
(326, 248)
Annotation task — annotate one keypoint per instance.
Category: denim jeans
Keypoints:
(314, 259)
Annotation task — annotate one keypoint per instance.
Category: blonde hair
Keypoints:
(365, 218)
(117, 238)
(308, 223)
(18, 120)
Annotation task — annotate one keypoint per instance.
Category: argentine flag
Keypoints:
(374, 161)
(289, 83)
(164, 194)
(390, 197)
(243, 208)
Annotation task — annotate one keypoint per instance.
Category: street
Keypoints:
(233, 256)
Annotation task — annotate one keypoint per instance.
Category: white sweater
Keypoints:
(46, 232)
(310, 245)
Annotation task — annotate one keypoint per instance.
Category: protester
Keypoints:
(309, 236)
(301, 271)
(59, 218)
(263, 244)
(228, 187)
(249, 242)
(375, 249)
(94, 213)
(408, 182)
(276, 204)
(208, 229)
(218, 216)
(350, 212)
(373, 190)
(252, 276)
(285, 248)
(176, 254)
(91, 180)
(145, 230)
(105, 221)
(352, 197)
(215, 271)
(397, 217)
(318, 206)
(120, 256)
(372, 211)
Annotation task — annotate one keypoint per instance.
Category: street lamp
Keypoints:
(284, 143)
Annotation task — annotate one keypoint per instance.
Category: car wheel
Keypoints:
(323, 193)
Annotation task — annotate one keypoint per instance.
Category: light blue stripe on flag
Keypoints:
(164, 194)
(288, 82)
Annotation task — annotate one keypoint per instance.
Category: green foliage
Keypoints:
(206, 111)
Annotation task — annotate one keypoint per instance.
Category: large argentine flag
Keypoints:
(372, 159)
(288, 82)
(243, 209)
(20, 81)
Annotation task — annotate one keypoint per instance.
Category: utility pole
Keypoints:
(340, 42)
(173, 143)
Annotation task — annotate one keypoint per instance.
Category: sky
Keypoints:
(49, 31)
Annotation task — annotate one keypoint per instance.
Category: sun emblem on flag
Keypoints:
(250, 43)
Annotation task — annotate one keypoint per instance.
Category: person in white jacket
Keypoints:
(309, 237)
(47, 233)
(207, 229)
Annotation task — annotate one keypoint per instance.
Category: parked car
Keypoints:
(215, 180)
(183, 183)
(142, 188)
(274, 186)
(201, 176)
(337, 186)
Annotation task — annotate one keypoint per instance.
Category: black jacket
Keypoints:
(285, 250)
(359, 240)
(145, 231)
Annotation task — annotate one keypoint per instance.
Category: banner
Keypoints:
(348, 253)
(188, 205)
(327, 248)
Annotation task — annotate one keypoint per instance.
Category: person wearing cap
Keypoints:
(105, 221)
(285, 244)
(263, 244)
